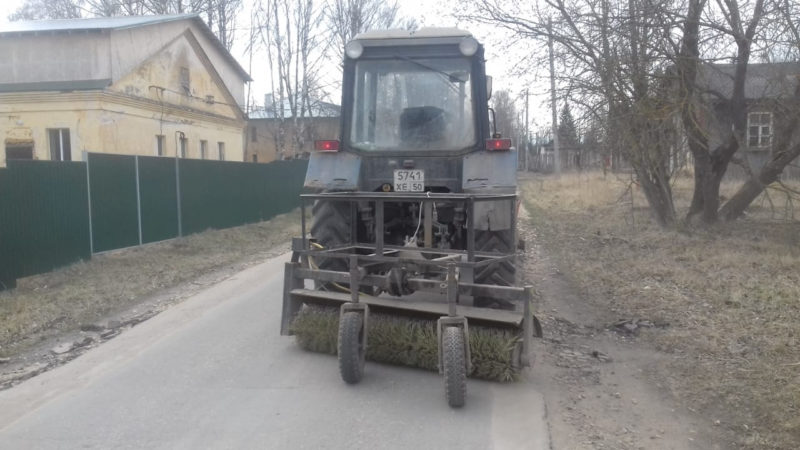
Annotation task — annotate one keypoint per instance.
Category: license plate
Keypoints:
(406, 180)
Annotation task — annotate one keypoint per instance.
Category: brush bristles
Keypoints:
(409, 342)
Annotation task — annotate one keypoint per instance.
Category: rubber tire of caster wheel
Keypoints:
(455, 366)
(350, 348)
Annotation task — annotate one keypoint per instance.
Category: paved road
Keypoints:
(213, 372)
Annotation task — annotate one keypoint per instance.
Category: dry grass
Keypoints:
(730, 294)
(85, 292)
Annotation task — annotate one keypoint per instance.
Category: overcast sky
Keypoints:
(500, 62)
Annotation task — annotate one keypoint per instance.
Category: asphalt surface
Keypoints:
(213, 372)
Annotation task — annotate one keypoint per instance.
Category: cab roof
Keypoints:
(411, 35)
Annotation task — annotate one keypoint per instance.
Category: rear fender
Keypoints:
(494, 172)
(333, 171)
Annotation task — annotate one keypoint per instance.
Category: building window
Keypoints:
(184, 146)
(253, 134)
(203, 149)
(221, 149)
(255, 158)
(186, 82)
(60, 149)
(160, 145)
(759, 129)
(19, 151)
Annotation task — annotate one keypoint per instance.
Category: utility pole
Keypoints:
(527, 136)
(556, 150)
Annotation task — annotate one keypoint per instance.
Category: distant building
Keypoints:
(272, 134)
(771, 102)
(144, 85)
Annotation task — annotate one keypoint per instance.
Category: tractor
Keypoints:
(413, 208)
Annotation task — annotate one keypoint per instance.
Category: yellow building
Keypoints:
(147, 85)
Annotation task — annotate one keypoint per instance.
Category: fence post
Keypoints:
(89, 200)
(138, 198)
(178, 195)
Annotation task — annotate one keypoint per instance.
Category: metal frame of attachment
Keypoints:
(454, 267)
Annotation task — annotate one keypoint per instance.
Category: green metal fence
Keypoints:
(56, 213)
(158, 194)
(113, 193)
(44, 217)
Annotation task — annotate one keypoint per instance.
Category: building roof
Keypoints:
(764, 80)
(95, 23)
(317, 108)
(56, 26)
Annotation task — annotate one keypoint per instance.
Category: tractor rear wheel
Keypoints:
(455, 366)
(503, 273)
(350, 347)
(330, 226)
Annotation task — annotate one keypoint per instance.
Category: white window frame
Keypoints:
(183, 146)
(203, 149)
(755, 119)
(61, 141)
(221, 151)
(161, 144)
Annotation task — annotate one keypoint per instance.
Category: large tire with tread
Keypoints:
(455, 366)
(330, 226)
(501, 274)
(350, 349)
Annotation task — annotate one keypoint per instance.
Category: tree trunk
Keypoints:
(710, 188)
(734, 208)
(710, 166)
(659, 197)
(748, 192)
(696, 206)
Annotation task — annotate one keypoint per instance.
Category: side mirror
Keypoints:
(488, 87)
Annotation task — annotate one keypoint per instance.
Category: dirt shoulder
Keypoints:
(54, 317)
(596, 377)
(661, 339)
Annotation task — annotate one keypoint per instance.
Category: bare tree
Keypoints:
(505, 114)
(787, 132)
(612, 58)
(47, 9)
(103, 8)
(637, 65)
(710, 164)
(347, 18)
(226, 14)
(220, 15)
(291, 34)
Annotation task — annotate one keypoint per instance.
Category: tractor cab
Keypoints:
(414, 106)
(414, 93)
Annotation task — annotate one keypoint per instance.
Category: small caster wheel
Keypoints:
(350, 347)
(455, 366)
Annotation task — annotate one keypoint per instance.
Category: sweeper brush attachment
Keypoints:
(408, 305)
(411, 342)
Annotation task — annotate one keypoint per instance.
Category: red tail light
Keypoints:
(498, 144)
(326, 146)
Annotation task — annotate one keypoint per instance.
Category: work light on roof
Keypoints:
(468, 46)
(353, 49)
